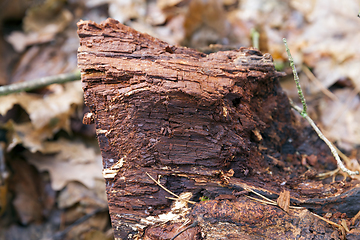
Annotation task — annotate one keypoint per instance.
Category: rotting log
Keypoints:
(210, 125)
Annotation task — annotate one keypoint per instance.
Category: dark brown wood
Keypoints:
(212, 125)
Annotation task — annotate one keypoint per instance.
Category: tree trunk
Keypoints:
(207, 127)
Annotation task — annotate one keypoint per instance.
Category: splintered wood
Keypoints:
(113, 170)
(197, 123)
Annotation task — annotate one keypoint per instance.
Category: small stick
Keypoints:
(39, 83)
(260, 195)
(317, 82)
(321, 136)
(159, 184)
(263, 201)
(327, 220)
(354, 218)
(62, 234)
(167, 190)
(304, 114)
(267, 200)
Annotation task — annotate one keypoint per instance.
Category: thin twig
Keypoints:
(62, 234)
(159, 184)
(343, 156)
(167, 190)
(262, 196)
(39, 83)
(327, 220)
(317, 82)
(321, 136)
(354, 218)
(271, 202)
(263, 201)
(328, 174)
(303, 113)
(332, 173)
(182, 199)
(267, 200)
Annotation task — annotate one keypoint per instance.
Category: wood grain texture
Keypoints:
(198, 123)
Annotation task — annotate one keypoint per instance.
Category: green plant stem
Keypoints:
(39, 83)
(303, 113)
(255, 36)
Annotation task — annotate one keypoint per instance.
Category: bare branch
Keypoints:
(39, 83)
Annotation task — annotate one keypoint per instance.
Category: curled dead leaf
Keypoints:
(283, 200)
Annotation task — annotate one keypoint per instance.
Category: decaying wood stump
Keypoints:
(210, 125)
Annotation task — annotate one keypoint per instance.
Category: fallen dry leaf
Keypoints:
(20, 40)
(86, 229)
(26, 135)
(96, 234)
(49, 16)
(33, 201)
(41, 24)
(43, 109)
(69, 161)
(340, 118)
(329, 44)
(125, 10)
(48, 114)
(76, 192)
(283, 200)
(206, 23)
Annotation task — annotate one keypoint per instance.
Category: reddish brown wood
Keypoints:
(210, 124)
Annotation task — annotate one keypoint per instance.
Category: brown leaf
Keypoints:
(125, 10)
(340, 118)
(33, 199)
(97, 222)
(48, 114)
(47, 17)
(73, 161)
(329, 42)
(205, 23)
(42, 109)
(283, 200)
(20, 40)
(75, 192)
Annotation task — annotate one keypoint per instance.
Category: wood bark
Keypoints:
(210, 125)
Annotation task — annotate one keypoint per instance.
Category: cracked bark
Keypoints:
(210, 124)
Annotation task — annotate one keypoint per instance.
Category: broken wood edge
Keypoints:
(343, 227)
(111, 172)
